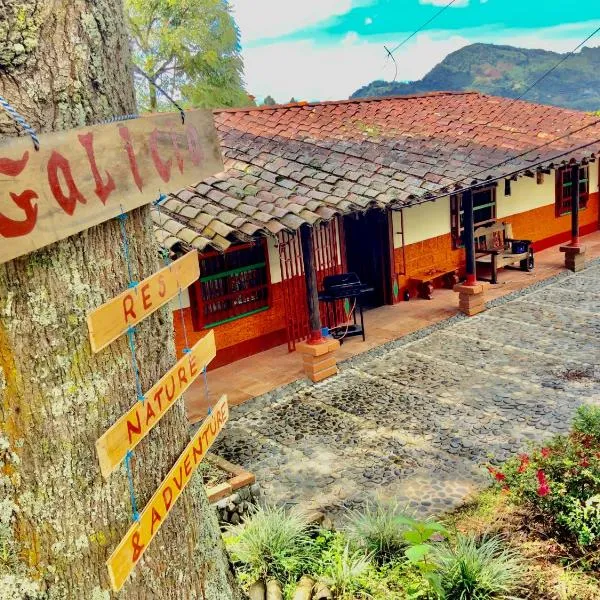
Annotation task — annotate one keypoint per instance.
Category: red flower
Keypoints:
(585, 462)
(543, 488)
(524, 463)
(545, 452)
(497, 474)
(505, 489)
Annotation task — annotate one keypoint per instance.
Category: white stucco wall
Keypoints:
(422, 222)
(528, 195)
(274, 263)
(185, 300)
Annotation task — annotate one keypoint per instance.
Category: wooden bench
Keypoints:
(495, 247)
(424, 280)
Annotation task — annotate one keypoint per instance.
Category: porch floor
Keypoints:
(264, 372)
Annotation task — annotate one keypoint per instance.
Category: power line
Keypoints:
(390, 53)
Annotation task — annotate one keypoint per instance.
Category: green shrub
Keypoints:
(469, 570)
(379, 529)
(587, 421)
(560, 481)
(272, 542)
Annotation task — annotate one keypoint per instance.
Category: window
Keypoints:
(564, 189)
(484, 212)
(232, 285)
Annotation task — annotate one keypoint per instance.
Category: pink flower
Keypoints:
(545, 452)
(543, 488)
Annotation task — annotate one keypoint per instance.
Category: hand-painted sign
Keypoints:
(113, 319)
(141, 533)
(136, 423)
(82, 177)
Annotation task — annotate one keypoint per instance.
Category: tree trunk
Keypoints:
(63, 64)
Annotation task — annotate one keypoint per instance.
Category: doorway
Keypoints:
(369, 255)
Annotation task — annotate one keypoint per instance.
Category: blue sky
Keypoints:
(326, 49)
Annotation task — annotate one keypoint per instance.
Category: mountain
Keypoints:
(508, 71)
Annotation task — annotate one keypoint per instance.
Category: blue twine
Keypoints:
(138, 383)
(121, 118)
(122, 218)
(21, 121)
(160, 199)
(134, 509)
(206, 391)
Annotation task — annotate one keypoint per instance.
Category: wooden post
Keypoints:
(575, 205)
(469, 239)
(312, 294)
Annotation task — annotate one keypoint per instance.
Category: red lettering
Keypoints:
(180, 482)
(68, 202)
(219, 418)
(150, 414)
(128, 310)
(8, 227)
(156, 518)
(162, 168)
(181, 375)
(213, 427)
(162, 286)
(186, 466)
(168, 500)
(146, 300)
(158, 398)
(193, 367)
(177, 151)
(198, 453)
(133, 428)
(137, 547)
(103, 190)
(205, 436)
(194, 145)
(133, 164)
(170, 394)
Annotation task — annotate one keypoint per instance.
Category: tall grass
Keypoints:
(378, 529)
(471, 570)
(272, 542)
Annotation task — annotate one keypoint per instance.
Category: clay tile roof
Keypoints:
(301, 164)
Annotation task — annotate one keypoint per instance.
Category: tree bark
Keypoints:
(64, 64)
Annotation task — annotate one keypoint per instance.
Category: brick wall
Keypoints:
(242, 337)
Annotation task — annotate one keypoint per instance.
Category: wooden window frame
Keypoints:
(456, 213)
(205, 318)
(563, 196)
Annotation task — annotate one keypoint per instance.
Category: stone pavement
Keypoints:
(418, 418)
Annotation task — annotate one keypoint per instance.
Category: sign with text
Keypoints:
(86, 176)
(113, 319)
(134, 425)
(141, 533)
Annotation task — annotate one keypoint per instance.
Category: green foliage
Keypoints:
(191, 49)
(269, 101)
(469, 570)
(272, 542)
(344, 570)
(379, 529)
(508, 71)
(562, 481)
(587, 421)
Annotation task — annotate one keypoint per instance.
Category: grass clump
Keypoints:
(379, 529)
(472, 570)
(587, 421)
(271, 543)
(344, 570)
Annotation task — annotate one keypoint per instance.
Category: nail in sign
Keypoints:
(140, 534)
(139, 420)
(113, 319)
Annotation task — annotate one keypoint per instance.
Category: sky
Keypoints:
(326, 49)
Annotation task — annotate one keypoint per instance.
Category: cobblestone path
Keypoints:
(417, 419)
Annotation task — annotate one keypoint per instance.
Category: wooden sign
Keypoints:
(141, 533)
(113, 319)
(135, 424)
(82, 177)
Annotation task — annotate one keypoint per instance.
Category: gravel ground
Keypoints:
(418, 418)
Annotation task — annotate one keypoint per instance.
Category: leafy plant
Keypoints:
(587, 421)
(469, 570)
(343, 571)
(272, 542)
(379, 528)
(560, 480)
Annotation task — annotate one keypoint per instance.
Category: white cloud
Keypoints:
(307, 70)
(368, 21)
(457, 4)
(260, 19)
